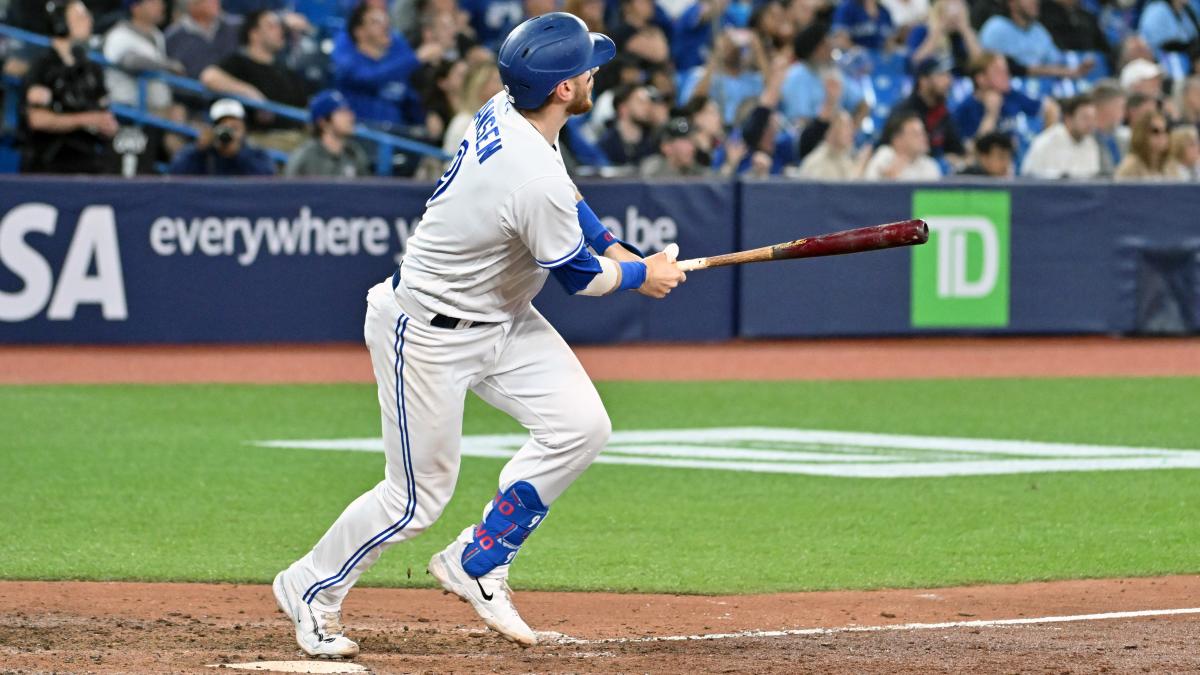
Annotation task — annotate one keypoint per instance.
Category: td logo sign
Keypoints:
(960, 278)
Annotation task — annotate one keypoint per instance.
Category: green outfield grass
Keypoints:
(159, 483)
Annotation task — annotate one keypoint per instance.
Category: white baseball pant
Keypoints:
(522, 367)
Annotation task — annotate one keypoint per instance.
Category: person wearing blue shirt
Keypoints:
(813, 77)
(222, 150)
(994, 105)
(763, 144)
(1027, 43)
(732, 75)
(1169, 24)
(692, 34)
(372, 66)
(493, 20)
(865, 23)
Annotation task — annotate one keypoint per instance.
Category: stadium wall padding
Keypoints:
(105, 260)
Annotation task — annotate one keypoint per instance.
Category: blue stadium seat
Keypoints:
(1099, 71)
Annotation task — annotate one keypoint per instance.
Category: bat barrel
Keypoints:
(890, 235)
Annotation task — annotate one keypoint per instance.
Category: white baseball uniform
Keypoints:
(500, 217)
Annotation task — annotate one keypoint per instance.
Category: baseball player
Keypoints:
(456, 316)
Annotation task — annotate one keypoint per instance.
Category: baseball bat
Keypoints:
(889, 235)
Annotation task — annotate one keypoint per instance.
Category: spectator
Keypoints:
(1148, 150)
(481, 82)
(635, 17)
(905, 154)
(253, 73)
(446, 23)
(771, 25)
(1170, 25)
(1188, 100)
(995, 105)
(1073, 26)
(690, 45)
(591, 11)
(813, 81)
(947, 33)
(1185, 153)
(372, 66)
(440, 98)
(66, 102)
(629, 138)
(732, 75)
(834, 158)
(222, 149)
(928, 102)
(1068, 149)
(1027, 43)
(332, 150)
(865, 23)
(1132, 48)
(994, 156)
(708, 133)
(202, 36)
(815, 129)
(492, 20)
(766, 145)
(295, 22)
(1142, 76)
(1110, 114)
(676, 156)
(642, 45)
(138, 45)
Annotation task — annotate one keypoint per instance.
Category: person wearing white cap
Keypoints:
(221, 150)
(1142, 76)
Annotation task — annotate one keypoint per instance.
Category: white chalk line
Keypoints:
(981, 623)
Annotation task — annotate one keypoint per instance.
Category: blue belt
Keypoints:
(441, 320)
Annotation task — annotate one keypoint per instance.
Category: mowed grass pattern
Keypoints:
(158, 483)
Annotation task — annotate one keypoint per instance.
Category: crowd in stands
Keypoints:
(877, 90)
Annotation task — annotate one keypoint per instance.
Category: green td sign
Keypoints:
(960, 278)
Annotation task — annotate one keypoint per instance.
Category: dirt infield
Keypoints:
(750, 360)
(139, 628)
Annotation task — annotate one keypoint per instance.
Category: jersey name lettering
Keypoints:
(485, 128)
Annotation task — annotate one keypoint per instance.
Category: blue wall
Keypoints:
(269, 260)
(110, 260)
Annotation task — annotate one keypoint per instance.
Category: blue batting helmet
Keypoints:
(546, 50)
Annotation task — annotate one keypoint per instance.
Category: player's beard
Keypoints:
(581, 103)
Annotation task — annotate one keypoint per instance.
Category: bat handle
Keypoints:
(693, 264)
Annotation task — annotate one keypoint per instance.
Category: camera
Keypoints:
(223, 135)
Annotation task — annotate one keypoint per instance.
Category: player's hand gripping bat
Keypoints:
(890, 235)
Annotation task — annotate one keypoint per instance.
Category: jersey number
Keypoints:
(451, 172)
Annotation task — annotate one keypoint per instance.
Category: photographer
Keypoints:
(222, 150)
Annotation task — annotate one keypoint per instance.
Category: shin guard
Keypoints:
(515, 513)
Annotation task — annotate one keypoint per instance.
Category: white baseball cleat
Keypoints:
(489, 595)
(318, 633)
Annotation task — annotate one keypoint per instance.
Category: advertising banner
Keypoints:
(136, 261)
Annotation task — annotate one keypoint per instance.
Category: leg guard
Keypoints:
(515, 513)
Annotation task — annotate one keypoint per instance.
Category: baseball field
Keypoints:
(792, 521)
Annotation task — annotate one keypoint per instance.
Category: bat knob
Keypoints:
(672, 252)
